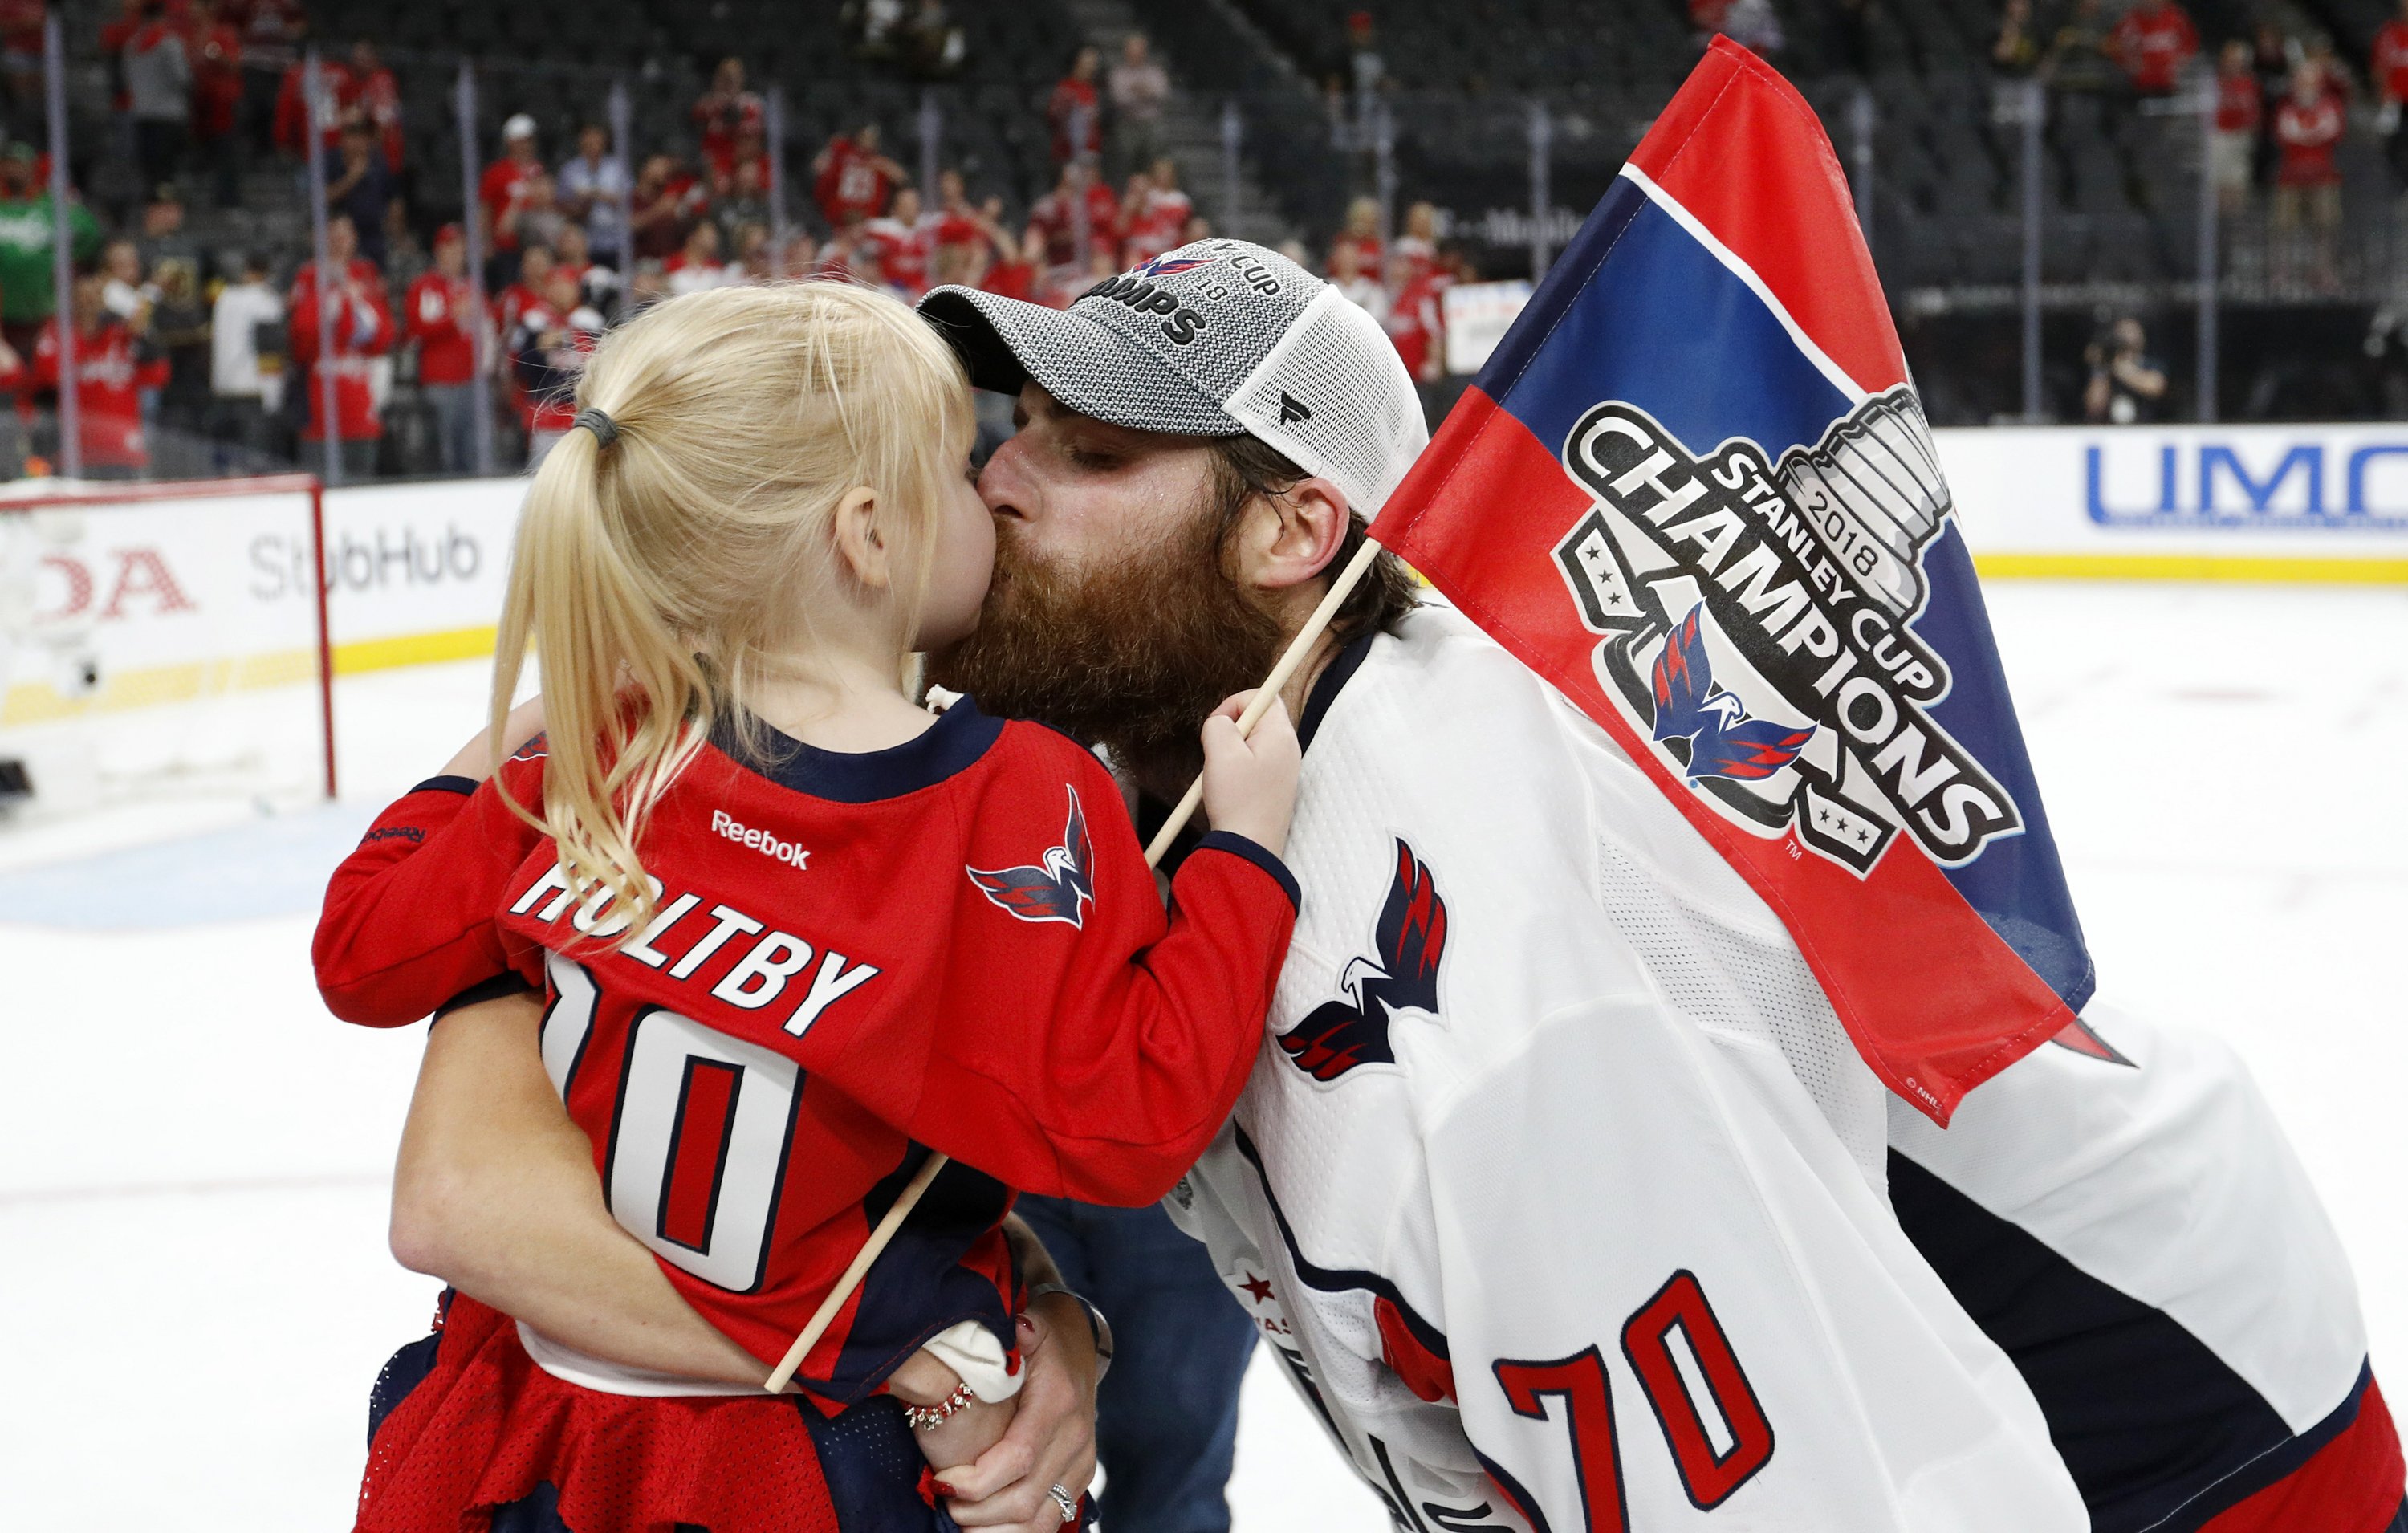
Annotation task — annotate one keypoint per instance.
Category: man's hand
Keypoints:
(495, 1193)
(1053, 1438)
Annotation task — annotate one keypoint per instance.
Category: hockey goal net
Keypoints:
(163, 639)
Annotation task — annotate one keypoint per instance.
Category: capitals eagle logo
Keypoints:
(1723, 740)
(1411, 941)
(1059, 888)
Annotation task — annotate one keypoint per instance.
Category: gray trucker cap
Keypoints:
(1217, 338)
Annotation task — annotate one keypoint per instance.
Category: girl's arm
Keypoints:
(409, 917)
(495, 1193)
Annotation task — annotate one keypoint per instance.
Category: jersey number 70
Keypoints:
(1681, 1383)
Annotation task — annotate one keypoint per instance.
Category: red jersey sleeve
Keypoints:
(408, 920)
(1093, 1045)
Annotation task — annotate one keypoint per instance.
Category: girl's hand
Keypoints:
(1250, 782)
(963, 1438)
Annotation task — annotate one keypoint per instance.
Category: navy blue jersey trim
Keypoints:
(1331, 1280)
(509, 982)
(448, 783)
(1329, 683)
(2151, 1424)
(1257, 854)
(2269, 1468)
(1523, 1502)
(955, 742)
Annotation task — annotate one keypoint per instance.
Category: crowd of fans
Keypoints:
(189, 369)
(191, 362)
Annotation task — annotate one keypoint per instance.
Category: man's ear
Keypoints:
(857, 540)
(1287, 539)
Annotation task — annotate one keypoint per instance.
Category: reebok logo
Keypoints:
(759, 840)
(1293, 411)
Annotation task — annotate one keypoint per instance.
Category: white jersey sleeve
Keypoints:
(1556, 1194)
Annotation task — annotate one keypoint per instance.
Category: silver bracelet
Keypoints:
(1098, 1326)
(923, 1417)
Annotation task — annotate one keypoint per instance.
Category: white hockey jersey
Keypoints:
(1558, 1186)
(2131, 1225)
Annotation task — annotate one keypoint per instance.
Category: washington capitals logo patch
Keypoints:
(1058, 889)
(1411, 941)
(1723, 740)
(1163, 265)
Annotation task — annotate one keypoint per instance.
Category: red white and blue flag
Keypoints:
(1695, 490)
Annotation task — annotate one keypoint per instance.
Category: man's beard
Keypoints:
(1133, 655)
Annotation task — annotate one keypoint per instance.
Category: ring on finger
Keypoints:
(1068, 1502)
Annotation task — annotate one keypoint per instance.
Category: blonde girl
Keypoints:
(796, 933)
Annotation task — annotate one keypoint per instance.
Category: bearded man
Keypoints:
(1557, 1188)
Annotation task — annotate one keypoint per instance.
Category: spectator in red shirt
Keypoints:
(440, 318)
(1154, 213)
(2389, 67)
(1362, 232)
(549, 350)
(535, 271)
(360, 327)
(2239, 114)
(726, 113)
(2308, 127)
(216, 51)
(958, 222)
(1417, 320)
(2153, 42)
(20, 55)
(371, 92)
(1013, 274)
(697, 266)
(114, 34)
(748, 148)
(851, 180)
(157, 75)
(904, 238)
(112, 369)
(1415, 255)
(503, 192)
(1079, 216)
(292, 114)
(272, 32)
(1071, 110)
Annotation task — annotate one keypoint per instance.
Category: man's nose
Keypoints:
(1003, 483)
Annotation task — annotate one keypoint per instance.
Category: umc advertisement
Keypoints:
(2247, 503)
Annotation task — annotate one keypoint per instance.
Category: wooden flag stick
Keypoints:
(904, 1203)
(1266, 698)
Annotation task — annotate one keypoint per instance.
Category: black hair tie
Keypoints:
(605, 430)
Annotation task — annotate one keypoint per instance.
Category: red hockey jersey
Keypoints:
(953, 944)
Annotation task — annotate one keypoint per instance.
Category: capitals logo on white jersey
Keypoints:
(1409, 941)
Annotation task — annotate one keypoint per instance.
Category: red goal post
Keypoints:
(138, 622)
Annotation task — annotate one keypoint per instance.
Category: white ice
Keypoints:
(195, 1292)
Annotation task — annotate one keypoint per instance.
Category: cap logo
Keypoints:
(1293, 411)
(1163, 265)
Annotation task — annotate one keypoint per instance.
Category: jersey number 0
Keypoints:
(698, 1136)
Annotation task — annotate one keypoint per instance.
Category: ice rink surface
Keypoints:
(193, 1157)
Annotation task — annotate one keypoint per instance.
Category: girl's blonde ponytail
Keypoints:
(653, 577)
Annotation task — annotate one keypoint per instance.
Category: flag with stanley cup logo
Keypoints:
(1694, 489)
